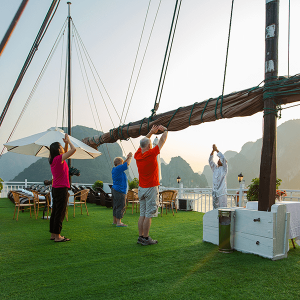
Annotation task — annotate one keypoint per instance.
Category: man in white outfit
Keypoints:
(219, 188)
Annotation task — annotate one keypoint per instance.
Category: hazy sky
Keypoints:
(110, 31)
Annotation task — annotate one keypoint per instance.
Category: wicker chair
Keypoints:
(18, 204)
(79, 199)
(38, 202)
(168, 199)
(133, 198)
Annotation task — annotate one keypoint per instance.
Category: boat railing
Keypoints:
(200, 199)
(18, 185)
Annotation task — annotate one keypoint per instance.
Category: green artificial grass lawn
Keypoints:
(105, 262)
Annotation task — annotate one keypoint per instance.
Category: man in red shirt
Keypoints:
(147, 165)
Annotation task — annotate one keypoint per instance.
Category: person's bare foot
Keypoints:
(121, 225)
(59, 238)
(62, 239)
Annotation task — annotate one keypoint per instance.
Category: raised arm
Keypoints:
(164, 136)
(223, 161)
(66, 147)
(71, 151)
(212, 164)
(153, 130)
(128, 159)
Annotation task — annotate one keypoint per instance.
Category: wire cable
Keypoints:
(82, 65)
(166, 58)
(34, 48)
(136, 56)
(142, 60)
(58, 39)
(91, 64)
(227, 51)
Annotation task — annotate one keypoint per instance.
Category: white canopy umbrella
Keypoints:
(39, 145)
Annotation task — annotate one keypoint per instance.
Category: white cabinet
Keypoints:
(258, 232)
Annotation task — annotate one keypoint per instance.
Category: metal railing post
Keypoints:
(241, 196)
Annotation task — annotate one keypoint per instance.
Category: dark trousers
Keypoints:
(119, 203)
(59, 205)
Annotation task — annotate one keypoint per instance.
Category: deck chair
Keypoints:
(37, 202)
(93, 196)
(79, 199)
(168, 199)
(133, 198)
(19, 203)
(75, 189)
(105, 198)
(44, 190)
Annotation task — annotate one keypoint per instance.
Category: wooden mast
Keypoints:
(69, 77)
(267, 187)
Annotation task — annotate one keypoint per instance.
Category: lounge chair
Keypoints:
(105, 198)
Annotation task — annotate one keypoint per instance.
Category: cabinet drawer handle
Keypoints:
(256, 220)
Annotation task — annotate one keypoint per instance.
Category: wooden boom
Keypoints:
(238, 104)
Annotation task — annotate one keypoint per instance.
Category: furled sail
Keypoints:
(238, 104)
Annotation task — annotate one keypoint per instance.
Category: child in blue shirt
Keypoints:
(119, 188)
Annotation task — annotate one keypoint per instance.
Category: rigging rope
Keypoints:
(166, 58)
(271, 92)
(135, 60)
(225, 69)
(142, 60)
(90, 62)
(290, 106)
(36, 83)
(92, 67)
(81, 62)
(34, 48)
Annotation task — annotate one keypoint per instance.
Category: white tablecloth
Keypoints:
(294, 209)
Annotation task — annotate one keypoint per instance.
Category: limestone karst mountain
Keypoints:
(18, 167)
(247, 160)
